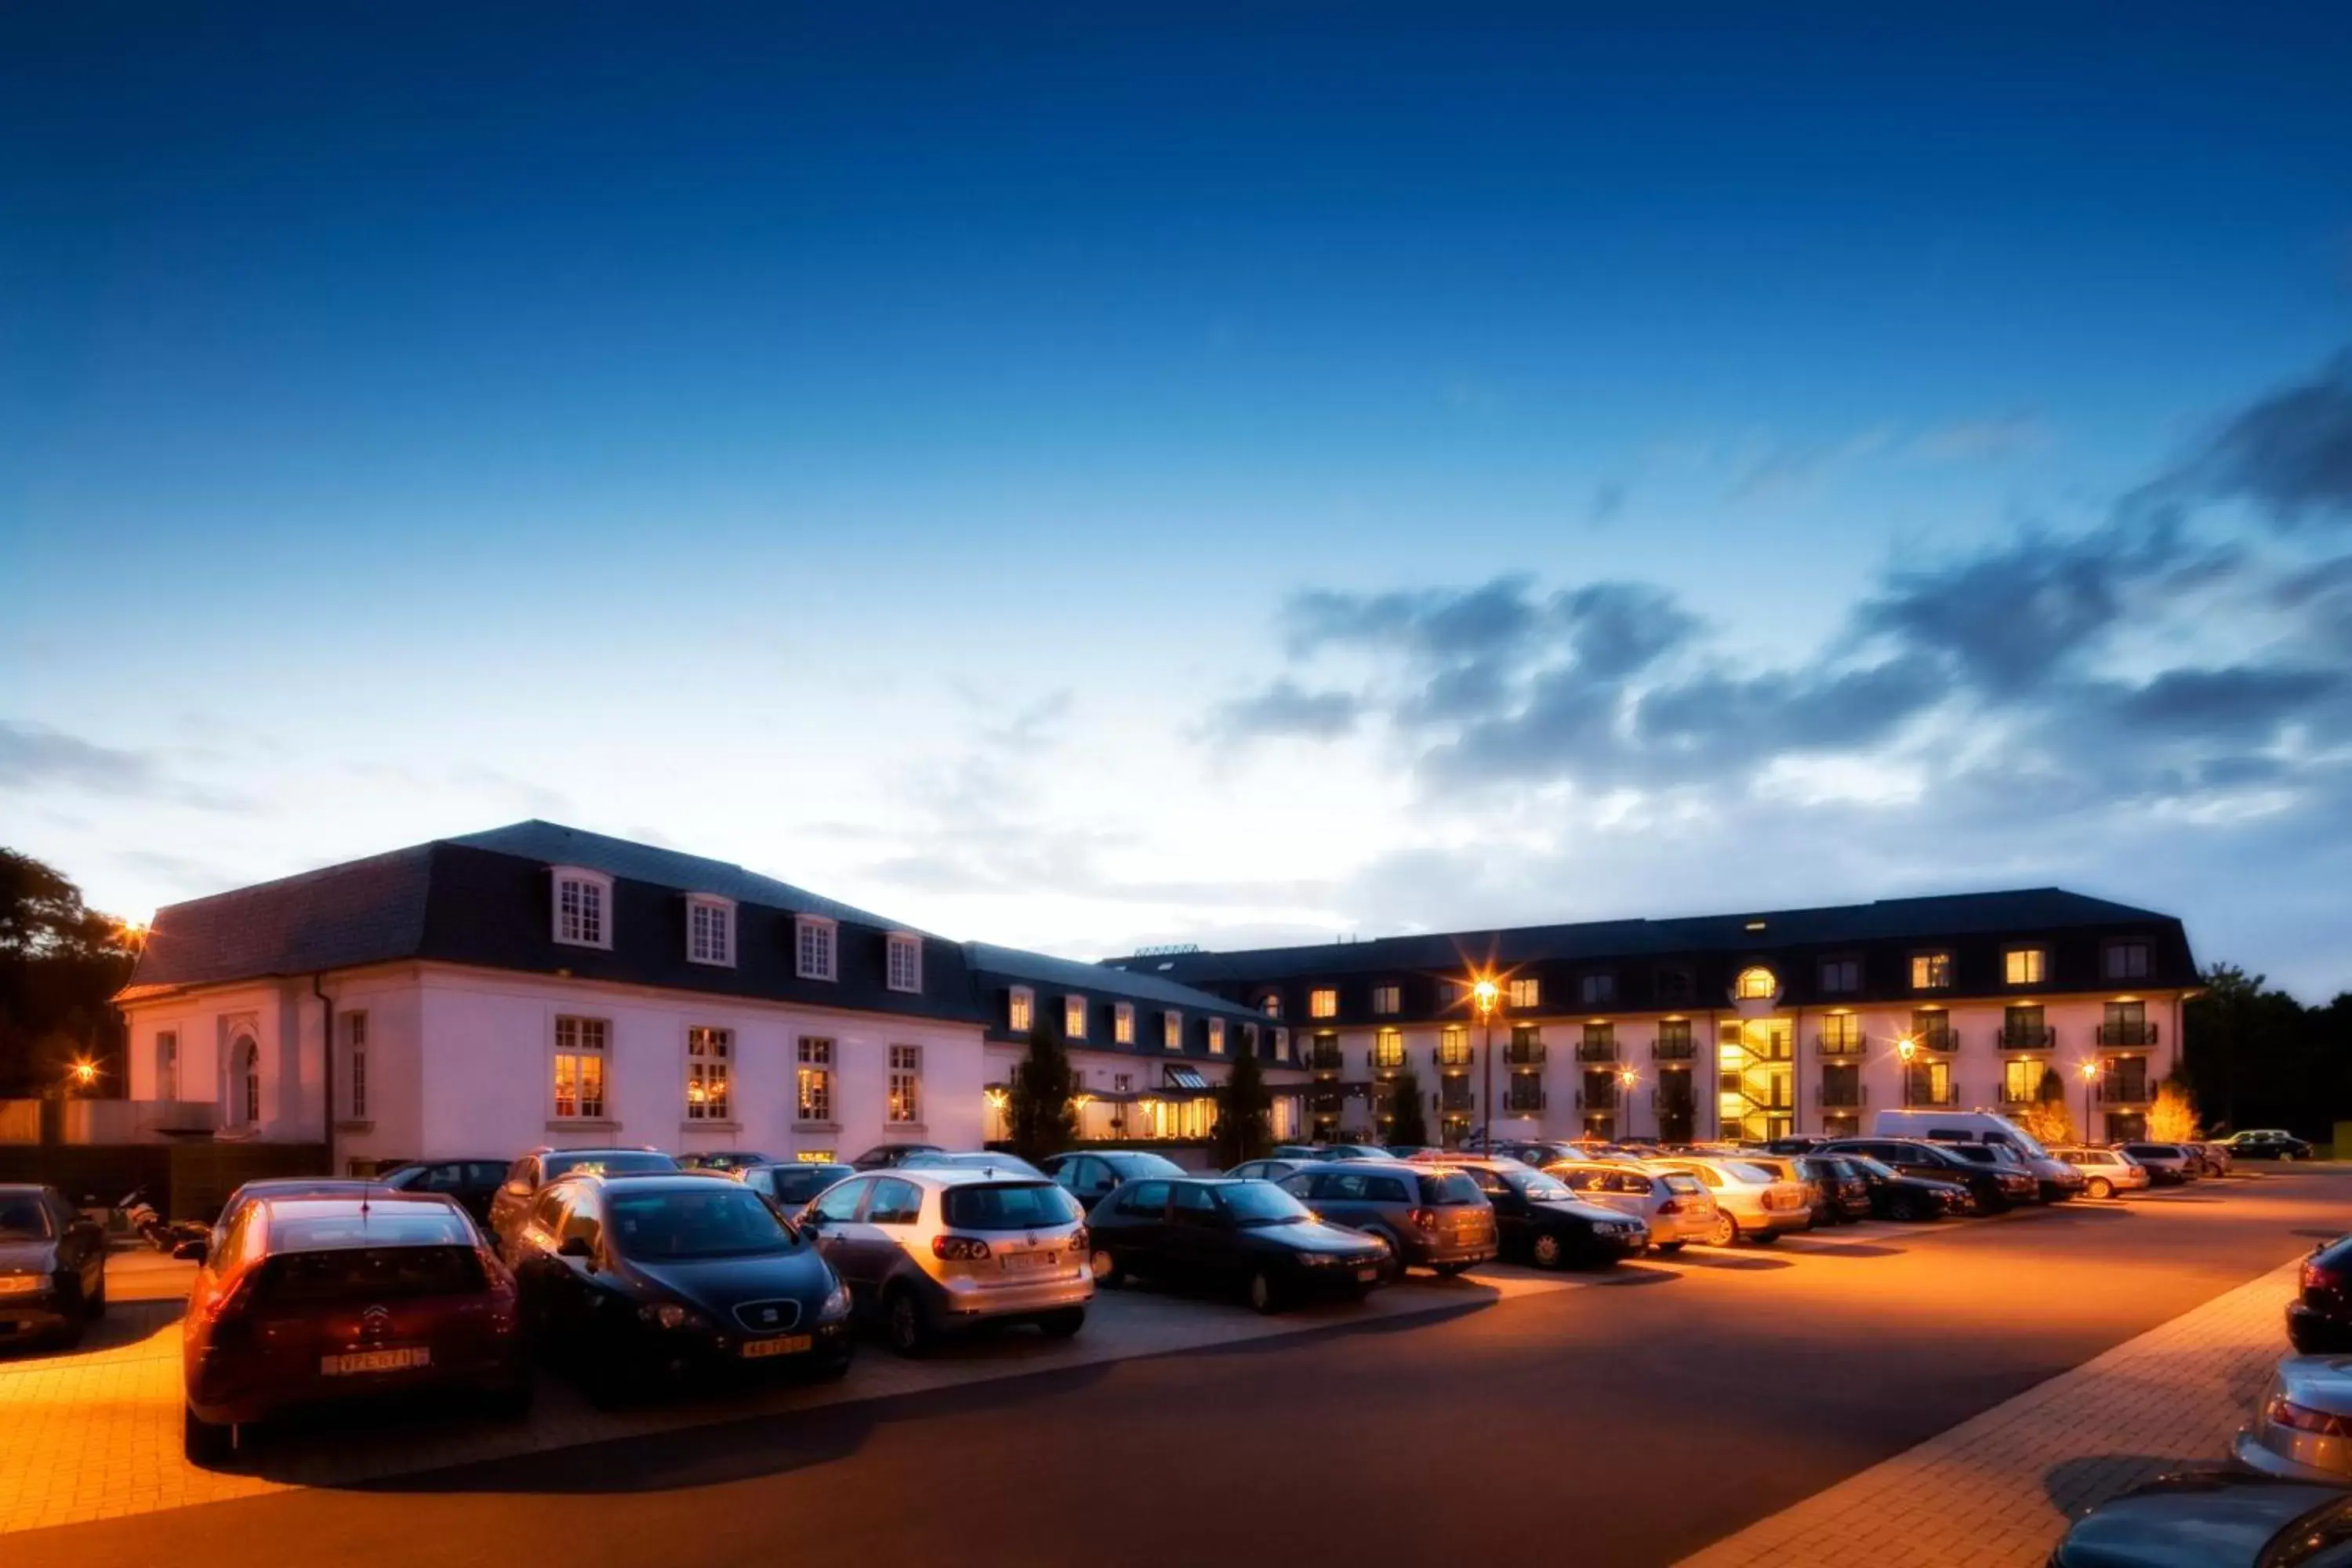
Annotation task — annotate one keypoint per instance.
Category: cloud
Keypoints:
(1978, 440)
(36, 757)
(1608, 501)
(1286, 709)
(2289, 453)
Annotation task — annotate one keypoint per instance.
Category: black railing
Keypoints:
(2025, 1037)
(1596, 1050)
(1670, 1049)
(2125, 1091)
(1831, 1046)
(1928, 1094)
(1842, 1096)
(1324, 1059)
(1597, 1099)
(1936, 1037)
(2128, 1034)
(1451, 1056)
(1524, 1054)
(1454, 1094)
(1523, 1101)
(1388, 1061)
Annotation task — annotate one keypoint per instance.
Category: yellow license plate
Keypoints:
(391, 1360)
(783, 1344)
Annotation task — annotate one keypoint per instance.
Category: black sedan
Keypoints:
(52, 1267)
(638, 1280)
(1219, 1233)
(1537, 1217)
(2319, 1320)
(1894, 1195)
(473, 1183)
(1933, 1162)
(2214, 1519)
(790, 1187)
(2267, 1143)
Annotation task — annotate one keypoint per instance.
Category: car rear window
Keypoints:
(399, 1222)
(369, 1273)
(1678, 1183)
(1131, 1166)
(1007, 1206)
(609, 1163)
(23, 1216)
(1452, 1187)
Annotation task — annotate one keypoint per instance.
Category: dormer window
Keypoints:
(1021, 1010)
(583, 903)
(814, 940)
(903, 962)
(1172, 1030)
(1122, 1023)
(1931, 971)
(1271, 1004)
(709, 928)
(1216, 1036)
(1323, 1001)
(1524, 993)
(1074, 1017)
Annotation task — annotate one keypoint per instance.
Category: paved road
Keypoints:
(1629, 1424)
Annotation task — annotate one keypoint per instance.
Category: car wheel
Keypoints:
(95, 1308)
(1262, 1296)
(1106, 1270)
(1547, 1251)
(1724, 1232)
(2098, 1187)
(205, 1443)
(1061, 1325)
(903, 1320)
(1393, 1269)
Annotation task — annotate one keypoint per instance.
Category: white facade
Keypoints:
(455, 1061)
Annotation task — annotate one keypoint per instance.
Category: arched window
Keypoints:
(245, 1088)
(1756, 985)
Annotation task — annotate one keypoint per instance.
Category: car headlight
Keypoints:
(23, 1284)
(836, 1304)
(671, 1315)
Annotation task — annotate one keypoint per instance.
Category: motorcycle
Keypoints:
(179, 1238)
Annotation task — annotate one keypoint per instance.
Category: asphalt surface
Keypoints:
(1630, 1423)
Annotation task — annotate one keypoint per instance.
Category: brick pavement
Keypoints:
(2001, 1487)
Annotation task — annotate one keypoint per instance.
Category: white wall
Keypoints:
(281, 1016)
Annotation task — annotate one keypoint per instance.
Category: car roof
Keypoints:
(955, 1175)
(683, 1178)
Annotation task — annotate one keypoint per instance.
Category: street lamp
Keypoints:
(2090, 1077)
(1907, 1047)
(1485, 993)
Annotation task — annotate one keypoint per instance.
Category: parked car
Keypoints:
(316, 1300)
(1674, 1205)
(2319, 1320)
(1821, 1186)
(285, 1187)
(1220, 1232)
(2106, 1172)
(1542, 1151)
(973, 1159)
(1089, 1178)
(790, 1187)
(2018, 1184)
(2214, 1158)
(2169, 1164)
(2211, 1518)
(1335, 1152)
(2301, 1423)
(1537, 1217)
(638, 1279)
(1751, 1204)
(52, 1267)
(473, 1183)
(2267, 1143)
(882, 1156)
(1987, 1193)
(929, 1251)
(726, 1160)
(1411, 1150)
(1431, 1216)
(1894, 1195)
(1268, 1170)
(530, 1174)
(1845, 1184)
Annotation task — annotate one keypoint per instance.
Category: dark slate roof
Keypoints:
(1949, 915)
(1054, 976)
(339, 917)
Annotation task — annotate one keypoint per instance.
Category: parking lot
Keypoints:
(1650, 1410)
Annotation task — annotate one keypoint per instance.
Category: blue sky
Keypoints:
(1099, 474)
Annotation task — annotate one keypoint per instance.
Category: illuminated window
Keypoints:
(1840, 976)
(1270, 1005)
(582, 900)
(1388, 999)
(710, 930)
(580, 1052)
(1172, 1030)
(1525, 994)
(1122, 1023)
(1074, 1017)
(814, 1080)
(814, 938)
(1020, 1010)
(2024, 965)
(1454, 1046)
(1840, 1034)
(1931, 971)
(1323, 1003)
(1388, 1049)
(2126, 961)
(707, 1052)
(1756, 983)
(903, 962)
(1216, 1036)
(906, 1083)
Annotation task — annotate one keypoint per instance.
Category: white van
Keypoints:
(2056, 1179)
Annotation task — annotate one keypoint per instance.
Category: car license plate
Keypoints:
(1027, 1262)
(1368, 1274)
(782, 1344)
(396, 1359)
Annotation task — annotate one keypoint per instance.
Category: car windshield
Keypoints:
(1130, 1166)
(1008, 1205)
(23, 1215)
(1539, 1189)
(1740, 1170)
(1677, 1182)
(1452, 1187)
(722, 1220)
(1878, 1168)
(1261, 1203)
(606, 1163)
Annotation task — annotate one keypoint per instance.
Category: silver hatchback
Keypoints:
(928, 1251)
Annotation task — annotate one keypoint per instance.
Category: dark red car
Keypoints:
(311, 1301)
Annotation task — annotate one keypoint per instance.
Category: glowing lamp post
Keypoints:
(2090, 1077)
(1907, 1047)
(1485, 993)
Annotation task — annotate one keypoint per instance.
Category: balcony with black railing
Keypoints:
(1454, 1094)
(1842, 1096)
(1451, 1059)
(1597, 1097)
(2128, 1034)
(1673, 1049)
(1927, 1095)
(1839, 1046)
(2114, 1091)
(1325, 1058)
(1520, 1100)
(2027, 1037)
(1596, 1050)
(1524, 1054)
(1942, 1038)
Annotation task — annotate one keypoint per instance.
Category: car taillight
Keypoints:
(1422, 1219)
(2315, 1277)
(225, 1314)
(959, 1248)
(1672, 1206)
(1079, 1239)
(2284, 1412)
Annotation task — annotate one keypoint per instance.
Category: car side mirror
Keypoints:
(518, 1187)
(195, 1250)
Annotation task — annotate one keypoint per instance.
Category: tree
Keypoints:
(60, 962)
(2048, 1120)
(1244, 1128)
(1042, 1120)
(2173, 1118)
(2258, 1057)
(1406, 1122)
